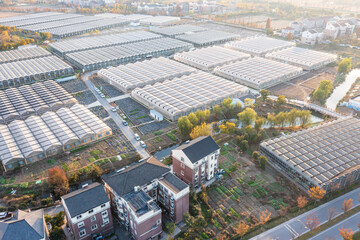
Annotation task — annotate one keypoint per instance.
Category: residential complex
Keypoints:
(88, 211)
(196, 161)
(145, 192)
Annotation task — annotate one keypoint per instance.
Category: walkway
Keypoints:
(116, 117)
(97, 103)
(317, 108)
(296, 226)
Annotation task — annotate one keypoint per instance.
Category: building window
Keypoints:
(100, 135)
(21, 162)
(107, 133)
(91, 211)
(78, 217)
(77, 143)
(84, 141)
(93, 227)
(182, 172)
(93, 218)
(182, 165)
(102, 205)
(158, 221)
(82, 232)
(81, 224)
(92, 138)
(40, 155)
(105, 213)
(68, 146)
(182, 159)
(105, 220)
(30, 159)
(10, 166)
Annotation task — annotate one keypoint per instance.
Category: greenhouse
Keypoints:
(208, 58)
(258, 73)
(139, 74)
(94, 59)
(327, 155)
(180, 96)
(302, 57)
(207, 38)
(159, 20)
(23, 54)
(21, 19)
(259, 46)
(173, 31)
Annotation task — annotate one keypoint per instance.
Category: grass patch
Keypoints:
(225, 190)
(79, 149)
(167, 161)
(171, 136)
(275, 187)
(217, 224)
(157, 139)
(134, 110)
(219, 191)
(143, 116)
(230, 157)
(65, 167)
(51, 161)
(238, 191)
(91, 159)
(224, 150)
(106, 160)
(133, 113)
(174, 131)
(234, 212)
(157, 133)
(95, 153)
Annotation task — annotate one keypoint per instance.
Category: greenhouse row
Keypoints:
(38, 137)
(258, 73)
(139, 74)
(327, 155)
(37, 98)
(49, 19)
(22, 54)
(159, 20)
(113, 56)
(177, 30)
(302, 57)
(79, 44)
(210, 57)
(207, 38)
(259, 46)
(180, 96)
(31, 70)
(28, 17)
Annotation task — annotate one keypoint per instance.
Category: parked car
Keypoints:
(137, 137)
(102, 95)
(142, 144)
(125, 123)
(113, 109)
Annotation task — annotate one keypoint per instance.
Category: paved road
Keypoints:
(334, 233)
(95, 104)
(296, 226)
(116, 117)
(53, 210)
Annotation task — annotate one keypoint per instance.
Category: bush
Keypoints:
(157, 133)
(235, 213)
(91, 159)
(171, 136)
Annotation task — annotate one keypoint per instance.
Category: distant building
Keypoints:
(297, 26)
(141, 193)
(311, 37)
(354, 103)
(197, 161)
(315, 22)
(88, 212)
(25, 225)
(286, 31)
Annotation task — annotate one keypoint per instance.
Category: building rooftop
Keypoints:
(321, 154)
(140, 202)
(84, 199)
(173, 182)
(198, 148)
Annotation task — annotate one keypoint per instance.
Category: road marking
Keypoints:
(292, 231)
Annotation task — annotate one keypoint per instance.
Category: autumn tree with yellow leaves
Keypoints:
(346, 234)
(302, 201)
(242, 228)
(316, 193)
(264, 217)
(201, 130)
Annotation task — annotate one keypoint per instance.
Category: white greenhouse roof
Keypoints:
(159, 20)
(259, 46)
(22, 54)
(208, 37)
(210, 57)
(177, 30)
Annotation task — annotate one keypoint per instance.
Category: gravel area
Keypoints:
(74, 86)
(121, 143)
(153, 126)
(108, 89)
(136, 112)
(99, 111)
(85, 97)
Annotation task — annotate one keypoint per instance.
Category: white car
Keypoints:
(113, 109)
(137, 137)
(142, 144)
(102, 95)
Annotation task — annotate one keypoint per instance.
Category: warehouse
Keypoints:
(37, 98)
(173, 31)
(99, 58)
(302, 57)
(259, 46)
(180, 96)
(23, 54)
(39, 137)
(132, 75)
(327, 155)
(258, 73)
(31, 70)
(79, 44)
(159, 20)
(207, 38)
(208, 58)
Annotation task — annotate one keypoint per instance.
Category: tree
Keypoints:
(193, 119)
(264, 94)
(316, 193)
(184, 125)
(271, 119)
(259, 123)
(201, 130)
(283, 210)
(242, 228)
(227, 107)
(228, 127)
(96, 173)
(281, 119)
(248, 102)
(203, 115)
(280, 100)
(247, 117)
(268, 23)
(312, 221)
(323, 91)
(289, 36)
(263, 160)
(347, 205)
(302, 201)
(346, 234)
(305, 117)
(255, 155)
(331, 213)
(170, 228)
(344, 66)
(244, 145)
(58, 181)
(264, 217)
(217, 111)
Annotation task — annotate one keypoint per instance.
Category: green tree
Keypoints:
(217, 111)
(263, 160)
(244, 145)
(247, 117)
(255, 155)
(323, 91)
(305, 118)
(227, 107)
(271, 119)
(280, 100)
(202, 115)
(264, 94)
(170, 228)
(193, 119)
(184, 125)
(344, 66)
(293, 116)
(281, 119)
(259, 123)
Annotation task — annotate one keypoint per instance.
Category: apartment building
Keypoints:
(142, 194)
(196, 161)
(88, 212)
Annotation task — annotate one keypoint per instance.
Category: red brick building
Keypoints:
(88, 212)
(197, 161)
(140, 194)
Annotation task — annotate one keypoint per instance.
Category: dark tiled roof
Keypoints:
(23, 226)
(199, 148)
(84, 199)
(175, 181)
(138, 175)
